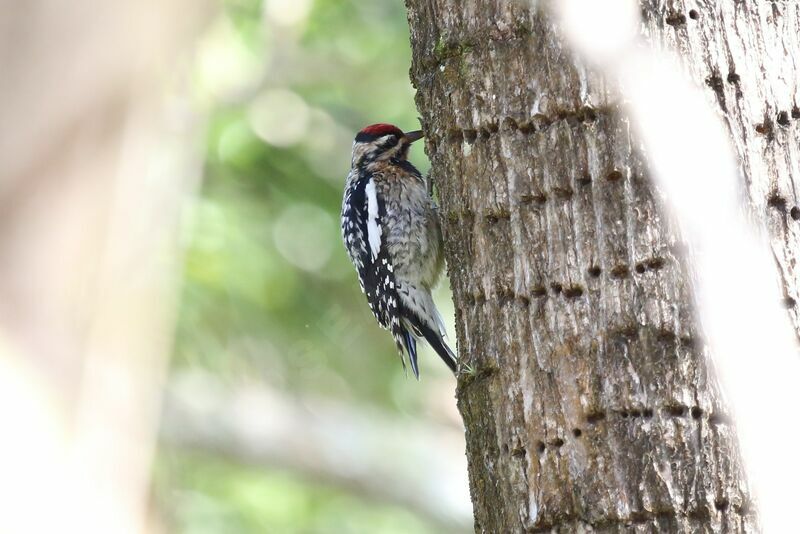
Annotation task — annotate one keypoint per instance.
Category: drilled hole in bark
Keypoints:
(589, 114)
(535, 198)
(795, 213)
(540, 447)
(556, 288)
(573, 119)
(783, 118)
(624, 414)
(542, 121)
(518, 452)
(523, 301)
(455, 135)
(558, 443)
(721, 504)
(676, 19)
(614, 176)
(585, 179)
(796, 112)
(667, 337)
(538, 292)
(505, 448)
(577, 432)
(485, 133)
(776, 201)
(510, 123)
(620, 271)
(526, 127)
(647, 413)
(733, 77)
(789, 302)
(745, 508)
(640, 268)
(504, 296)
(697, 412)
(715, 82)
(563, 193)
(493, 127)
(595, 271)
(625, 333)
(573, 292)
(717, 418)
(595, 417)
(538, 198)
(470, 136)
(636, 413)
(655, 264)
(693, 14)
(699, 514)
(675, 410)
(765, 128)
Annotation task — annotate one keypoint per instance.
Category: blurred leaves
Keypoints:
(265, 259)
(214, 497)
(269, 293)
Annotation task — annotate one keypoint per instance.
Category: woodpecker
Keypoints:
(392, 235)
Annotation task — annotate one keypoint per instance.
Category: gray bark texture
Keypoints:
(592, 407)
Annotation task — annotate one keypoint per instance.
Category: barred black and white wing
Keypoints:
(363, 215)
(354, 228)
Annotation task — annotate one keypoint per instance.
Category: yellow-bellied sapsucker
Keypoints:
(392, 234)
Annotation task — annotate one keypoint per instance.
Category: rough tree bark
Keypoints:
(592, 405)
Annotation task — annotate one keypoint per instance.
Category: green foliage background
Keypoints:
(269, 294)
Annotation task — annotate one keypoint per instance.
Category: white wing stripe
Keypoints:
(373, 228)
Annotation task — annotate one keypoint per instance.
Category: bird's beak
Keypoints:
(414, 136)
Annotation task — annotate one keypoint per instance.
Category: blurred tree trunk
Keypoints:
(592, 403)
(97, 157)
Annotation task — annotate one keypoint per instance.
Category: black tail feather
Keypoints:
(436, 342)
(411, 348)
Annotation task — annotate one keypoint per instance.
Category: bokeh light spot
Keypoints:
(302, 237)
(226, 67)
(280, 117)
(287, 12)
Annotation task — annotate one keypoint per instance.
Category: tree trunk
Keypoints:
(97, 157)
(591, 403)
